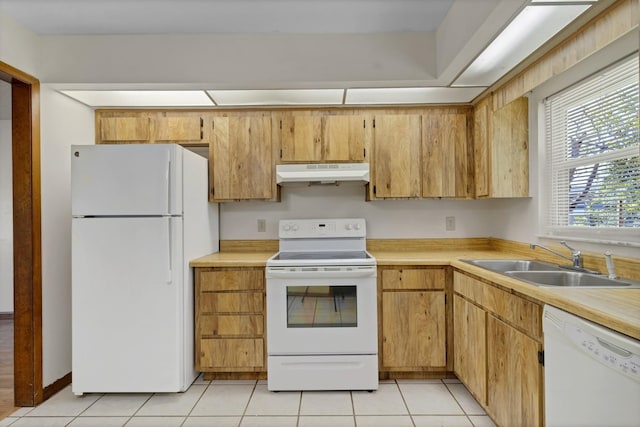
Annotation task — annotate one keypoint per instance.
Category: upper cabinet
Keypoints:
(447, 166)
(344, 137)
(396, 168)
(300, 135)
(240, 157)
(423, 153)
(501, 148)
(182, 128)
(319, 136)
(160, 127)
(122, 127)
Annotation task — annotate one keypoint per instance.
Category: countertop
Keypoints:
(618, 309)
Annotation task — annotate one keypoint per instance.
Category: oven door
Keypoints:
(321, 310)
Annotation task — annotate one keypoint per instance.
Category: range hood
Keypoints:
(322, 173)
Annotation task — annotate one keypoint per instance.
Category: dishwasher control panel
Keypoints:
(613, 356)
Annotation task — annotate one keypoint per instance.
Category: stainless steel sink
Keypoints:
(550, 275)
(569, 279)
(503, 265)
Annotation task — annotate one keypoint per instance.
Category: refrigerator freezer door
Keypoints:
(128, 308)
(136, 179)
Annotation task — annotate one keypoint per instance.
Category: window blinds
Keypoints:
(592, 151)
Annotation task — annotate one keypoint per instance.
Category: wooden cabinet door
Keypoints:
(300, 137)
(510, 150)
(178, 127)
(413, 330)
(397, 158)
(446, 169)
(240, 162)
(470, 349)
(481, 137)
(123, 128)
(343, 138)
(514, 376)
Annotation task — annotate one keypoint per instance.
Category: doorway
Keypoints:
(27, 265)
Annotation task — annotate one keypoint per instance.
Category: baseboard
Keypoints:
(6, 315)
(56, 386)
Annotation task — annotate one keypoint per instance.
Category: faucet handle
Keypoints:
(573, 251)
(575, 254)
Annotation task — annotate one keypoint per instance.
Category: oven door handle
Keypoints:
(276, 273)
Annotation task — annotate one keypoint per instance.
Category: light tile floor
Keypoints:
(411, 403)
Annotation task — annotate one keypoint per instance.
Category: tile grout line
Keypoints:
(353, 409)
(197, 401)
(299, 409)
(405, 404)
(459, 404)
(138, 410)
(255, 385)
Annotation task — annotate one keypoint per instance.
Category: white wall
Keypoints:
(385, 219)
(19, 47)
(6, 215)
(64, 122)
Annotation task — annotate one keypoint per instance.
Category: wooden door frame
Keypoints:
(27, 237)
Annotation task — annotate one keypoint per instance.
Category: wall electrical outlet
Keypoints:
(262, 225)
(450, 222)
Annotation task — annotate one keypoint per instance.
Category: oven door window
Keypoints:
(322, 307)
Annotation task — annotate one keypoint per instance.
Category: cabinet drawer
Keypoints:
(231, 280)
(469, 287)
(231, 324)
(523, 314)
(231, 354)
(413, 278)
(240, 302)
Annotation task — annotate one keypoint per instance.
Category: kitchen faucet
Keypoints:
(576, 256)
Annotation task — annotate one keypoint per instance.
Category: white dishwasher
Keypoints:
(591, 373)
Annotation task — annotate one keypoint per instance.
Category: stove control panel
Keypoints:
(322, 228)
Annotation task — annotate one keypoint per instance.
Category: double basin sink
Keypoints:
(551, 275)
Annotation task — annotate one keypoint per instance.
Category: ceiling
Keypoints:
(391, 45)
(227, 16)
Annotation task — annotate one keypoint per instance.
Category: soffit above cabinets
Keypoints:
(480, 60)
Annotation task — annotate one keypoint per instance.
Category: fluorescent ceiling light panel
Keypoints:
(141, 98)
(277, 97)
(526, 33)
(419, 95)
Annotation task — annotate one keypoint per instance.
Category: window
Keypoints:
(592, 176)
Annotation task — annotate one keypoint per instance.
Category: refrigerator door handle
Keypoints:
(168, 178)
(169, 253)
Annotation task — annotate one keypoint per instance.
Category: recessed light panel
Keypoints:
(277, 97)
(526, 33)
(140, 98)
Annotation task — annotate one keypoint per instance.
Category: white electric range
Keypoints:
(322, 307)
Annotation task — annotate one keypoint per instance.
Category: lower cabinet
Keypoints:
(230, 320)
(413, 319)
(514, 376)
(470, 346)
(497, 340)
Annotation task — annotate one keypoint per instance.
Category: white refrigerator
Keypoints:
(140, 213)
